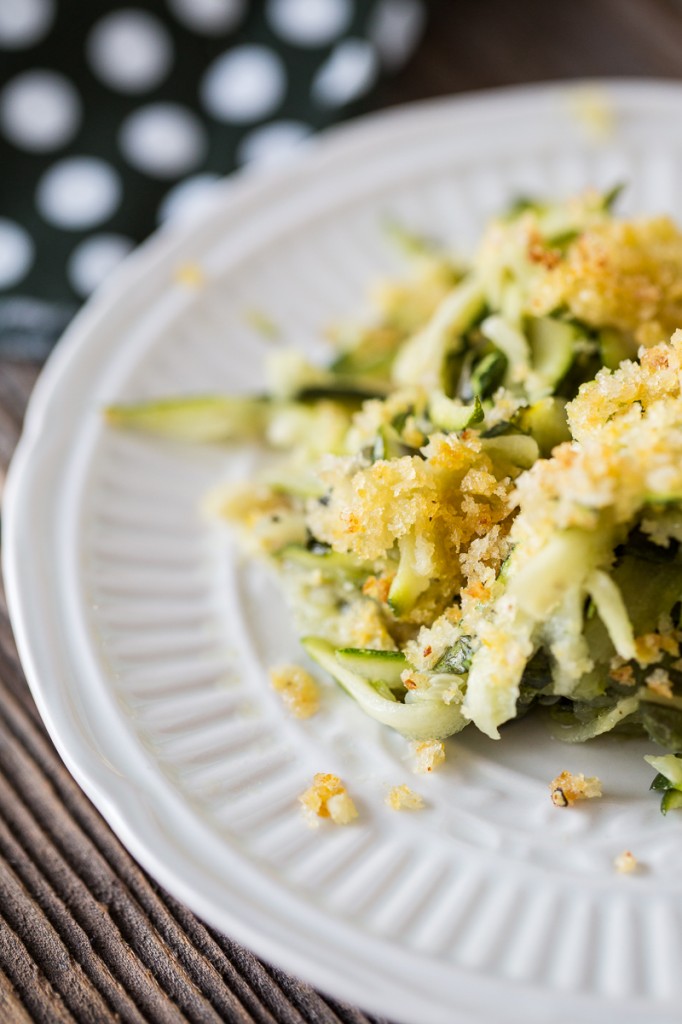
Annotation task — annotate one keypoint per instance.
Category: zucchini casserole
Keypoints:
(475, 509)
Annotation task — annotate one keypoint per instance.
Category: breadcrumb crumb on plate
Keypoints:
(566, 788)
(593, 109)
(626, 863)
(190, 275)
(328, 798)
(659, 682)
(298, 690)
(428, 755)
(402, 798)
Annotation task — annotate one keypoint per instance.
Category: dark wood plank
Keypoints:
(11, 1006)
(471, 44)
(23, 981)
(16, 384)
(147, 953)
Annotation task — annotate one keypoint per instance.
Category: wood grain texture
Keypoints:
(85, 934)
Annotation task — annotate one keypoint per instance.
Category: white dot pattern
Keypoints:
(309, 22)
(93, 260)
(163, 139)
(244, 85)
(347, 74)
(78, 192)
(187, 199)
(209, 17)
(16, 252)
(24, 23)
(394, 28)
(39, 111)
(273, 144)
(130, 110)
(130, 51)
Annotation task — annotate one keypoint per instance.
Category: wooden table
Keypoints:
(85, 934)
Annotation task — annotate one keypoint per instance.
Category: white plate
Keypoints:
(146, 640)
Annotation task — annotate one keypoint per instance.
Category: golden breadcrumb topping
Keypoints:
(298, 690)
(266, 517)
(362, 625)
(328, 798)
(622, 273)
(625, 863)
(650, 647)
(566, 788)
(416, 524)
(659, 682)
(190, 275)
(402, 798)
(593, 109)
(627, 425)
(445, 502)
(428, 755)
(621, 671)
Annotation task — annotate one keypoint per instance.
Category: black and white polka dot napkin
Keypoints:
(114, 118)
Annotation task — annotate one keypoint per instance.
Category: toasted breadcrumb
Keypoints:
(298, 690)
(402, 798)
(428, 755)
(622, 273)
(568, 788)
(441, 501)
(342, 809)
(328, 798)
(648, 649)
(190, 275)
(625, 863)
(621, 672)
(593, 109)
(659, 683)
(465, 522)
(378, 587)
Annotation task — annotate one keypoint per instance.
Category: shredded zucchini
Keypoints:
(477, 509)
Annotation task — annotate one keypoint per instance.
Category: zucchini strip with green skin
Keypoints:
(407, 583)
(545, 420)
(331, 564)
(484, 487)
(200, 418)
(669, 766)
(445, 414)
(612, 611)
(423, 720)
(602, 723)
(536, 589)
(510, 340)
(377, 666)
(553, 347)
(421, 359)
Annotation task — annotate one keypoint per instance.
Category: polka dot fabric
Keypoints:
(114, 119)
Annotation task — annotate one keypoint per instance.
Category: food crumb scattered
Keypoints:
(298, 690)
(621, 672)
(428, 755)
(567, 788)
(191, 275)
(402, 798)
(593, 110)
(626, 863)
(659, 682)
(328, 798)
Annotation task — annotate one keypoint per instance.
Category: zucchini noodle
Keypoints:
(475, 508)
